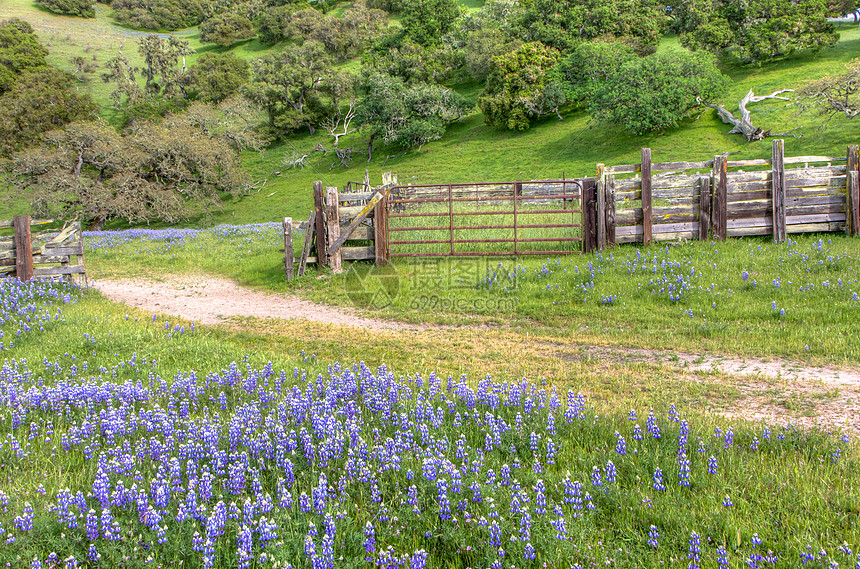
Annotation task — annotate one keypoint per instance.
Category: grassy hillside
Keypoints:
(471, 150)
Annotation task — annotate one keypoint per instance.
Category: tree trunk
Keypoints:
(370, 147)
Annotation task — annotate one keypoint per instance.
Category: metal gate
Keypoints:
(538, 217)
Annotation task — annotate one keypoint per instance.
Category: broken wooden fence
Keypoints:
(48, 253)
(352, 225)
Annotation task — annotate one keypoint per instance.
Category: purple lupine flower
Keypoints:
(694, 551)
(712, 464)
(722, 558)
(620, 444)
(653, 537)
(684, 470)
(611, 472)
(658, 480)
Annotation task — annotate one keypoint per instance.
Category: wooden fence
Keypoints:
(49, 253)
(723, 198)
(632, 203)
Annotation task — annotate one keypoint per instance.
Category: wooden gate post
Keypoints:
(646, 196)
(288, 247)
(332, 213)
(601, 207)
(718, 214)
(589, 215)
(704, 207)
(380, 229)
(778, 190)
(23, 248)
(853, 201)
(319, 211)
(610, 209)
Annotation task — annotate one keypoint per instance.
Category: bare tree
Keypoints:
(743, 125)
(340, 122)
(834, 95)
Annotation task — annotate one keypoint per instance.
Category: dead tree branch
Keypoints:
(743, 125)
(340, 123)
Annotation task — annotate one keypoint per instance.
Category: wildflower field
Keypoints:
(134, 439)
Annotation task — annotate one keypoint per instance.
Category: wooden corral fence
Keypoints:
(49, 253)
(633, 203)
(723, 198)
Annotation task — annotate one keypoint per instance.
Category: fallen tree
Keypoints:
(743, 125)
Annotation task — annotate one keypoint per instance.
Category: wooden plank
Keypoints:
(853, 169)
(704, 208)
(646, 195)
(48, 271)
(358, 253)
(354, 197)
(634, 217)
(854, 202)
(365, 212)
(332, 224)
(288, 248)
(610, 209)
(623, 169)
(778, 189)
(73, 250)
(362, 233)
(601, 207)
(806, 159)
(319, 230)
(23, 248)
(306, 248)
(740, 163)
(658, 229)
(589, 216)
(50, 259)
(720, 185)
(706, 165)
(7, 223)
(380, 232)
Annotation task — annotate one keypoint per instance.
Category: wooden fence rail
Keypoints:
(629, 203)
(49, 253)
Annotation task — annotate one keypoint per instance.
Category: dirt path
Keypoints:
(210, 300)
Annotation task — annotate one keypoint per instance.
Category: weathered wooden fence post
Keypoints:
(601, 207)
(610, 209)
(646, 195)
(319, 211)
(306, 247)
(380, 229)
(288, 248)
(778, 190)
(704, 207)
(852, 179)
(23, 248)
(720, 184)
(589, 215)
(332, 213)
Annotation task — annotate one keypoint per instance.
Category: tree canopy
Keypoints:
(19, 50)
(81, 8)
(406, 115)
(757, 30)
(158, 14)
(160, 171)
(656, 92)
(216, 76)
(523, 85)
(227, 29)
(564, 23)
(42, 99)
